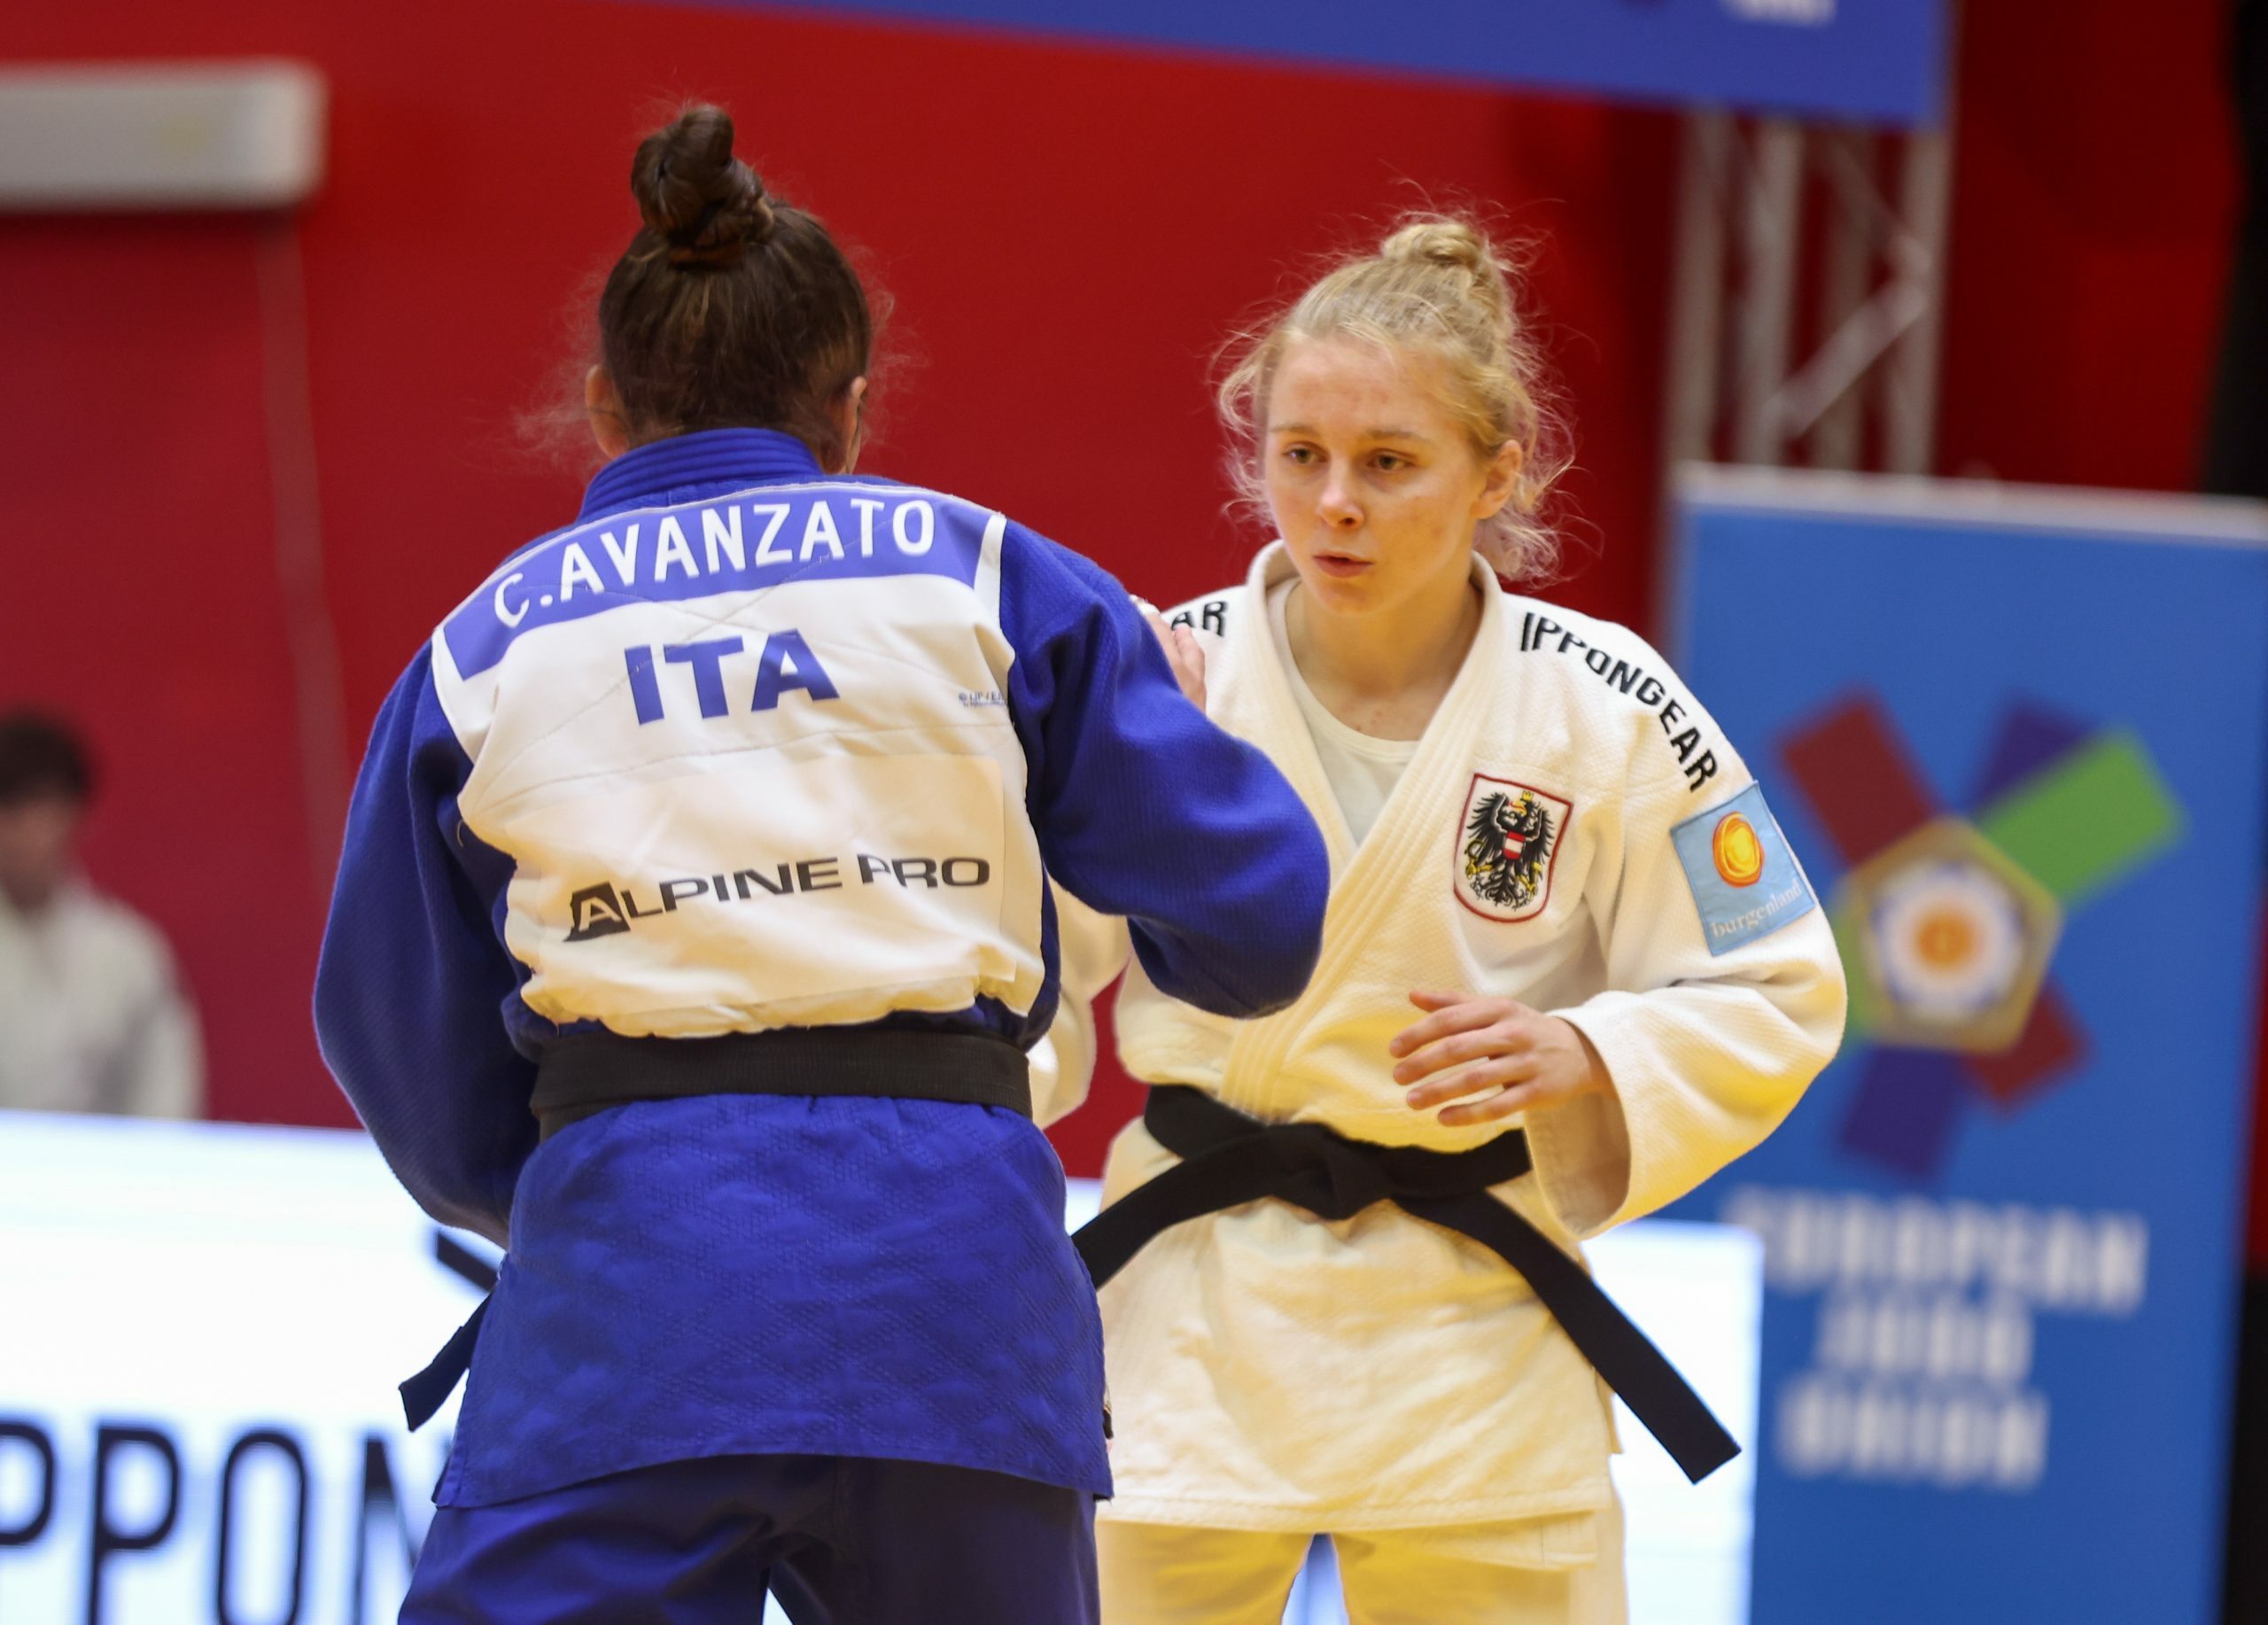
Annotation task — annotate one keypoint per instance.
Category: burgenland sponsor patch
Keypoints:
(1746, 883)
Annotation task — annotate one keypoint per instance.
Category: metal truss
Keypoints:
(1862, 389)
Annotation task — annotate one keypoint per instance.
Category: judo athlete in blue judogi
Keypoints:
(692, 926)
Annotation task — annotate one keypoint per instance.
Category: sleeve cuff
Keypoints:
(1581, 1148)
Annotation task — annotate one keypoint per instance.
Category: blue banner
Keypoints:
(2018, 740)
(1875, 60)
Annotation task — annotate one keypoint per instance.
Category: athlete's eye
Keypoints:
(1301, 455)
(1390, 463)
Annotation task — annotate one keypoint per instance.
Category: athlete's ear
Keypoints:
(1499, 479)
(609, 426)
(848, 416)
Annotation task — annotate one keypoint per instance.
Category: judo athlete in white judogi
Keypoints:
(692, 926)
(1570, 968)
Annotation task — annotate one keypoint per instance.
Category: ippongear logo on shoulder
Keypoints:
(595, 911)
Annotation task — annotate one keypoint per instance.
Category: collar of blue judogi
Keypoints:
(647, 475)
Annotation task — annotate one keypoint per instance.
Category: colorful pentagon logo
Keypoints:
(1949, 924)
(1954, 938)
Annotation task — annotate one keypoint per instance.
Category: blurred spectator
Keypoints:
(92, 1017)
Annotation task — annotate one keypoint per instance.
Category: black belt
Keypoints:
(583, 1074)
(1230, 1159)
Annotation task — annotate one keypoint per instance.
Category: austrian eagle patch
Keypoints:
(1508, 841)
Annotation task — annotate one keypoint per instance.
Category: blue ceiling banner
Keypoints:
(2019, 740)
(1871, 61)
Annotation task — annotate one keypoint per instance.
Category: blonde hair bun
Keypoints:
(1457, 244)
(1442, 242)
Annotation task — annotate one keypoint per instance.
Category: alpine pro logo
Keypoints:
(611, 908)
(595, 911)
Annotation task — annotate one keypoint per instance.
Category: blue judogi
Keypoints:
(745, 1274)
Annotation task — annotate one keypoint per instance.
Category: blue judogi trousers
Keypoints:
(840, 1540)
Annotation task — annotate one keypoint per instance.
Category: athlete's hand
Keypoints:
(1184, 653)
(1492, 1057)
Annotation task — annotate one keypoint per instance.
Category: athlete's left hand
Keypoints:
(1513, 1058)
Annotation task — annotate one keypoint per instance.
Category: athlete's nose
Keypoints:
(1337, 505)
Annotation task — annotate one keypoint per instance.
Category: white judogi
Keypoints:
(92, 1016)
(1272, 1372)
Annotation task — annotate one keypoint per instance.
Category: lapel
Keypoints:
(1267, 713)
(1380, 874)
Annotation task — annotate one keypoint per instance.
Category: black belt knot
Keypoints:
(1325, 1174)
(1229, 1159)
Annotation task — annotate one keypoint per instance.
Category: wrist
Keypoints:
(1597, 1079)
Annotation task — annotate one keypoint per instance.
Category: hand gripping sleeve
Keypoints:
(1144, 808)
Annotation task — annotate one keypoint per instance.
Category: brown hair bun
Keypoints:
(704, 203)
(696, 331)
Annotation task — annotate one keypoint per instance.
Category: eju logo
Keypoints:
(1947, 923)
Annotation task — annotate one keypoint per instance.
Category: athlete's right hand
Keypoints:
(1184, 653)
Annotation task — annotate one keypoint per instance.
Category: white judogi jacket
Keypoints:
(1270, 1370)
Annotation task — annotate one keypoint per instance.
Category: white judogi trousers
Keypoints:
(1544, 1571)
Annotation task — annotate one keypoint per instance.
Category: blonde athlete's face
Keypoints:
(1375, 487)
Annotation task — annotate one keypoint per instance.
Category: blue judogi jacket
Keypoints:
(748, 748)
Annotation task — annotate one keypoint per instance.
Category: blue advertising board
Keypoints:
(1879, 61)
(2017, 739)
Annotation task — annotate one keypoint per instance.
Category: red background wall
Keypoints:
(1067, 234)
